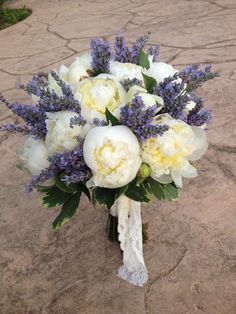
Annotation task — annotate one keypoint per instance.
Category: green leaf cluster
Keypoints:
(163, 192)
(149, 81)
(67, 196)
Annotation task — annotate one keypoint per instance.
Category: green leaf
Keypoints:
(143, 60)
(55, 197)
(44, 188)
(171, 192)
(147, 187)
(149, 82)
(67, 211)
(62, 186)
(167, 192)
(85, 190)
(105, 196)
(157, 189)
(121, 191)
(110, 118)
(137, 193)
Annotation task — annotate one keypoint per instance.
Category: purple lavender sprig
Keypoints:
(101, 55)
(37, 85)
(33, 117)
(174, 96)
(121, 50)
(198, 116)
(10, 127)
(128, 54)
(128, 83)
(193, 76)
(137, 46)
(154, 52)
(71, 164)
(140, 120)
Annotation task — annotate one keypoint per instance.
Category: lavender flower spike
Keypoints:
(101, 55)
(139, 119)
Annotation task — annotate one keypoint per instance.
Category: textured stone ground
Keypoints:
(191, 252)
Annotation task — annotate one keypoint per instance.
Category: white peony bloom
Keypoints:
(123, 71)
(160, 70)
(168, 155)
(112, 153)
(78, 70)
(98, 93)
(148, 99)
(34, 156)
(60, 136)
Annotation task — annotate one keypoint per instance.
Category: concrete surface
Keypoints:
(191, 252)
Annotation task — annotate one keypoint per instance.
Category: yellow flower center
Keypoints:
(109, 158)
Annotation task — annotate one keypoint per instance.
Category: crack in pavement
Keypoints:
(166, 274)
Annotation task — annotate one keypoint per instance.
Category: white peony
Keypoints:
(124, 71)
(160, 70)
(168, 155)
(148, 99)
(98, 93)
(78, 70)
(34, 156)
(60, 136)
(112, 153)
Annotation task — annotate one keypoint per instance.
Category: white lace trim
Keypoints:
(130, 236)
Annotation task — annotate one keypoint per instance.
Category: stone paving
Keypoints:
(191, 252)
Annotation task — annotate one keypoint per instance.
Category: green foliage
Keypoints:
(66, 195)
(110, 118)
(143, 60)
(105, 196)
(137, 192)
(10, 16)
(55, 197)
(149, 82)
(163, 192)
(68, 210)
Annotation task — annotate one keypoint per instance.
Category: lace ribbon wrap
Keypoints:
(128, 212)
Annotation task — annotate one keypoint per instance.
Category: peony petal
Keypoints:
(200, 144)
(164, 179)
(177, 178)
(189, 171)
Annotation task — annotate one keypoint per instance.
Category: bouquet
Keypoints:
(118, 126)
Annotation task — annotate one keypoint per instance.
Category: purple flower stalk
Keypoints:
(71, 164)
(125, 54)
(128, 83)
(175, 99)
(101, 55)
(140, 120)
(154, 52)
(193, 76)
(196, 116)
